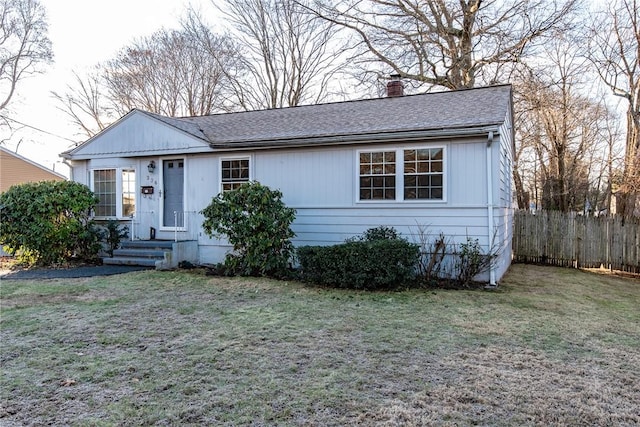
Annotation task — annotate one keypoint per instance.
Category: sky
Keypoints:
(83, 33)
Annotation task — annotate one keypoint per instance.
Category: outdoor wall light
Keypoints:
(151, 166)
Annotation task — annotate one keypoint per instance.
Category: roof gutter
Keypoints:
(307, 142)
(65, 160)
(355, 139)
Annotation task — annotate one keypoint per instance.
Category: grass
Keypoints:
(551, 346)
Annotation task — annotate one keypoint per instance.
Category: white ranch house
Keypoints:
(441, 160)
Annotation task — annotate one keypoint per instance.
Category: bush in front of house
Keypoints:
(257, 223)
(48, 222)
(472, 261)
(378, 260)
(113, 233)
(380, 233)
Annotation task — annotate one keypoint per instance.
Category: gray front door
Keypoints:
(173, 193)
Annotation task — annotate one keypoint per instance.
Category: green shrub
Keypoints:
(88, 242)
(114, 232)
(377, 233)
(471, 261)
(258, 225)
(48, 220)
(367, 264)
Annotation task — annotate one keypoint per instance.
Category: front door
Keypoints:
(173, 193)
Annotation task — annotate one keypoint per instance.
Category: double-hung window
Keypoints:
(378, 175)
(104, 187)
(235, 172)
(402, 174)
(423, 174)
(128, 192)
(116, 192)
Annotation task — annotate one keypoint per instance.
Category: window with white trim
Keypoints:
(418, 176)
(423, 174)
(128, 192)
(104, 187)
(378, 175)
(116, 192)
(235, 172)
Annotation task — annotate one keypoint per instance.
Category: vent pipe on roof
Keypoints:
(395, 87)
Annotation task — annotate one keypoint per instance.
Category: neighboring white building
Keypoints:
(442, 160)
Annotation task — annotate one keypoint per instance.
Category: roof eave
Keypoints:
(352, 139)
(148, 153)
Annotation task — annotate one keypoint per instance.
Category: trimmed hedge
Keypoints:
(369, 265)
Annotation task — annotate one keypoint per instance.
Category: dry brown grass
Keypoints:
(550, 347)
(503, 386)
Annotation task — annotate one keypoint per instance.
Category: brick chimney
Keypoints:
(395, 87)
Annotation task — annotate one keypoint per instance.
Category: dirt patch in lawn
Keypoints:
(606, 271)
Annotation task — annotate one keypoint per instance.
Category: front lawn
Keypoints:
(551, 346)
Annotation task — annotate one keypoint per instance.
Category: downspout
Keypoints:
(490, 228)
(66, 162)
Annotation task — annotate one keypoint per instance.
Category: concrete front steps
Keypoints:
(160, 254)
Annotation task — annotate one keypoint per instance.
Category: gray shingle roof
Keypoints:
(463, 109)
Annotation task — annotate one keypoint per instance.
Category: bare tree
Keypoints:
(615, 52)
(289, 57)
(451, 44)
(85, 104)
(141, 76)
(169, 74)
(24, 44)
(561, 132)
(561, 156)
(613, 155)
(221, 50)
(172, 72)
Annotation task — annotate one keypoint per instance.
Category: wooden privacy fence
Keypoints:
(566, 239)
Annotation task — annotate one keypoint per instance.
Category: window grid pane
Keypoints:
(128, 192)
(234, 173)
(423, 174)
(104, 187)
(377, 175)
